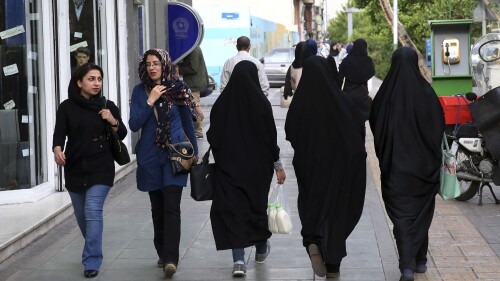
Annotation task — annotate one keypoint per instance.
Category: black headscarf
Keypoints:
(358, 67)
(177, 93)
(329, 159)
(243, 138)
(407, 122)
(299, 49)
(334, 52)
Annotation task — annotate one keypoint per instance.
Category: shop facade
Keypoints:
(38, 43)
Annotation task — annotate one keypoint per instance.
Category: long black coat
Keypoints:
(243, 138)
(407, 122)
(329, 159)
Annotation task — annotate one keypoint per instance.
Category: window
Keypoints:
(21, 97)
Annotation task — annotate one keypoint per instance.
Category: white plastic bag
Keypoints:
(278, 212)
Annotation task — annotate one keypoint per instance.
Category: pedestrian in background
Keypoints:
(194, 73)
(243, 139)
(302, 52)
(243, 46)
(89, 168)
(356, 69)
(329, 162)
(407, 122)
(163, 108)
(333, 62)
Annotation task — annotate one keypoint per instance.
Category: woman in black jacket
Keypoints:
(89, 168)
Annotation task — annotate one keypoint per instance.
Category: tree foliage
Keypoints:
(372, 25)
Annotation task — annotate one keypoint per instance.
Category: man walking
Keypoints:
(243, 46)
(194, 73)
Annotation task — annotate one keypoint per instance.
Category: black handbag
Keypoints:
(181, 157)
(118, 148)
(202, 179)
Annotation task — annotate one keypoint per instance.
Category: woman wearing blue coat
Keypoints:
(162, 107)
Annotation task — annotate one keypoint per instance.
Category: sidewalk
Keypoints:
(457, 249)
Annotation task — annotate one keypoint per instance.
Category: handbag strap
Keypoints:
(444, 143)
(205, 158)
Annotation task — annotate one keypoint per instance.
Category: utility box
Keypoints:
(450, 56)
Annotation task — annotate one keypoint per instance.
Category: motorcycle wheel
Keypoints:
(468, 188)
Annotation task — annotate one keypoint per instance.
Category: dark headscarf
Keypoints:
(358, 67)
(243, 138)
(331, 181)
(96, 103)
(407, 122)
(177, 93)
(334, 52)
(313, 46)
(299, 49)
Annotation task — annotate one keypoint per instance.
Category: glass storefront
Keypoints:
(21, 102)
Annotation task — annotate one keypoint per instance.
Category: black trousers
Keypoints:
(166, 215)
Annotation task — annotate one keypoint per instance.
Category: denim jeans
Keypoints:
(239, 253)
(88, 208)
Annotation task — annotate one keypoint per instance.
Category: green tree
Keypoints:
(413, 15)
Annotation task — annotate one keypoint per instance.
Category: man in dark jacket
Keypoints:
(194, 73)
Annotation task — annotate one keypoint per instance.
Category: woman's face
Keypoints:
(91, 84)
(153, 67)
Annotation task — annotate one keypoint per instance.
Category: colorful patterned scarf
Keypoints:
(177, 93)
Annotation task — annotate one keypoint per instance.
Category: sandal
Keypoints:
(317, 263)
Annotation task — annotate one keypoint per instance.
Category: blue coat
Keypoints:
(153, 165)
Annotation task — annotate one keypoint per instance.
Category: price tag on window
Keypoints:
(78, 34)
(12, 32)
(10, 70)
(26, 152)
(73, 48)
(9, 105)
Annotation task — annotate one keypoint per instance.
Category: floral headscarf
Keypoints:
(177, 93)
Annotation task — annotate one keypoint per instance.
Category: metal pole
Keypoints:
(482, 6)
(349, 25)
(395, 26)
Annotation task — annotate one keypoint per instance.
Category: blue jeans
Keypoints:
(88, 208)
(239, 253)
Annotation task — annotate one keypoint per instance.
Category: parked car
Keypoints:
(211, 87)
(276, 63)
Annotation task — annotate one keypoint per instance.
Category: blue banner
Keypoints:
(185, 30)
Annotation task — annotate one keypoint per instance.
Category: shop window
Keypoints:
(21, 99)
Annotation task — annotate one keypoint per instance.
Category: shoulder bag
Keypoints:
(202, 179)
(118, 148)
(449, 187)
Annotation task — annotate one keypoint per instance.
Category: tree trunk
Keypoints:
(405, 39)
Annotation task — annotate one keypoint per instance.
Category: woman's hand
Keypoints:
(59, 156)
(280, 174)
(155, 94)
(200, 114)
(106, 115)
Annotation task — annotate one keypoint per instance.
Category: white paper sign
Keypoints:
(78, 34)
(24, 119)
(32, 55)
(32, 90)
(9, 105)
(12, 32)
(73, 48)
(34, 16)
(10, 69)
(26, 152)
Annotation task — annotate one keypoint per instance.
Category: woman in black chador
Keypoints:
(329, 162)
(357, 68)
(407, 122)
(243, 139)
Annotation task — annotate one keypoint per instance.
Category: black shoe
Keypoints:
(407, 275)
(90, 273)
(160, 263)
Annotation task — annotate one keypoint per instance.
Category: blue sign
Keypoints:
(428, 48)
(185, 30)
(230, 16)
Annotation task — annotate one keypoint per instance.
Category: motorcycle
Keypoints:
(476, 145)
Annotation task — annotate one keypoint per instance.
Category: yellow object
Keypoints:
(451, 51)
